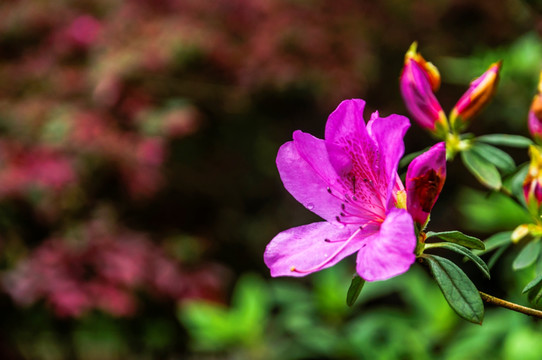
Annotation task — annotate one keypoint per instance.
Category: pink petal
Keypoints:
(534, 121)
(329, 161)
(305, 248)
(309, 182)
(388, 133)
(390, 251)
(346, 122)
(346, 130)
(418, 95)
(424, 181)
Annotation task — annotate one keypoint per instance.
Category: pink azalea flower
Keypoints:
(350, 180)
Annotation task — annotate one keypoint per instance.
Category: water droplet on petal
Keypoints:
(310, 206)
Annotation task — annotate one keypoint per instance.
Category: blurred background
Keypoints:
(138, 186)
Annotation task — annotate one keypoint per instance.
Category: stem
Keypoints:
(510, 305)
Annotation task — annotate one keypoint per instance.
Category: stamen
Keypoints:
(363, 214)
(355, 221)
(363, 211)
(323, 263)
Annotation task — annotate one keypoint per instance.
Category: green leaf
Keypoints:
(465, 252)
(458, 290)
(534, 290)
(495, 257)
(515, 181)
(459, 238)
(506, 140)
(535, 295)
(495, 156)
(496, 241)
(532, 284)
(527, 256)
(354, 290)
(482, 169)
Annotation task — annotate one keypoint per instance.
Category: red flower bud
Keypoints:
(419, 79)
(481, 90)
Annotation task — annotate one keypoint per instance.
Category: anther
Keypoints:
(328, 190)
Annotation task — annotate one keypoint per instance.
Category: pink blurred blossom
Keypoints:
(105, 271)
(151, 151)
(24, 168)
(84, 30)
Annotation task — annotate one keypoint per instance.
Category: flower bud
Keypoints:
(419, 79)
(520, 232)
(528, 231)
(481, 90)
(535, 115)
(532, 186)
(424, 181)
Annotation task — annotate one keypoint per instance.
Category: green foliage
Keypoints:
(534, 290)
(307, 324)
(489, 213)
(458, 238)
(216, 327)
(496, 241)
(354, 290)
(404, 317)
(499, 242)
(485, 171)
(532, 284)
(457, 288)
(503, 336)
(506, 140)
(495, 156)
(527, 256)
(465, 252)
